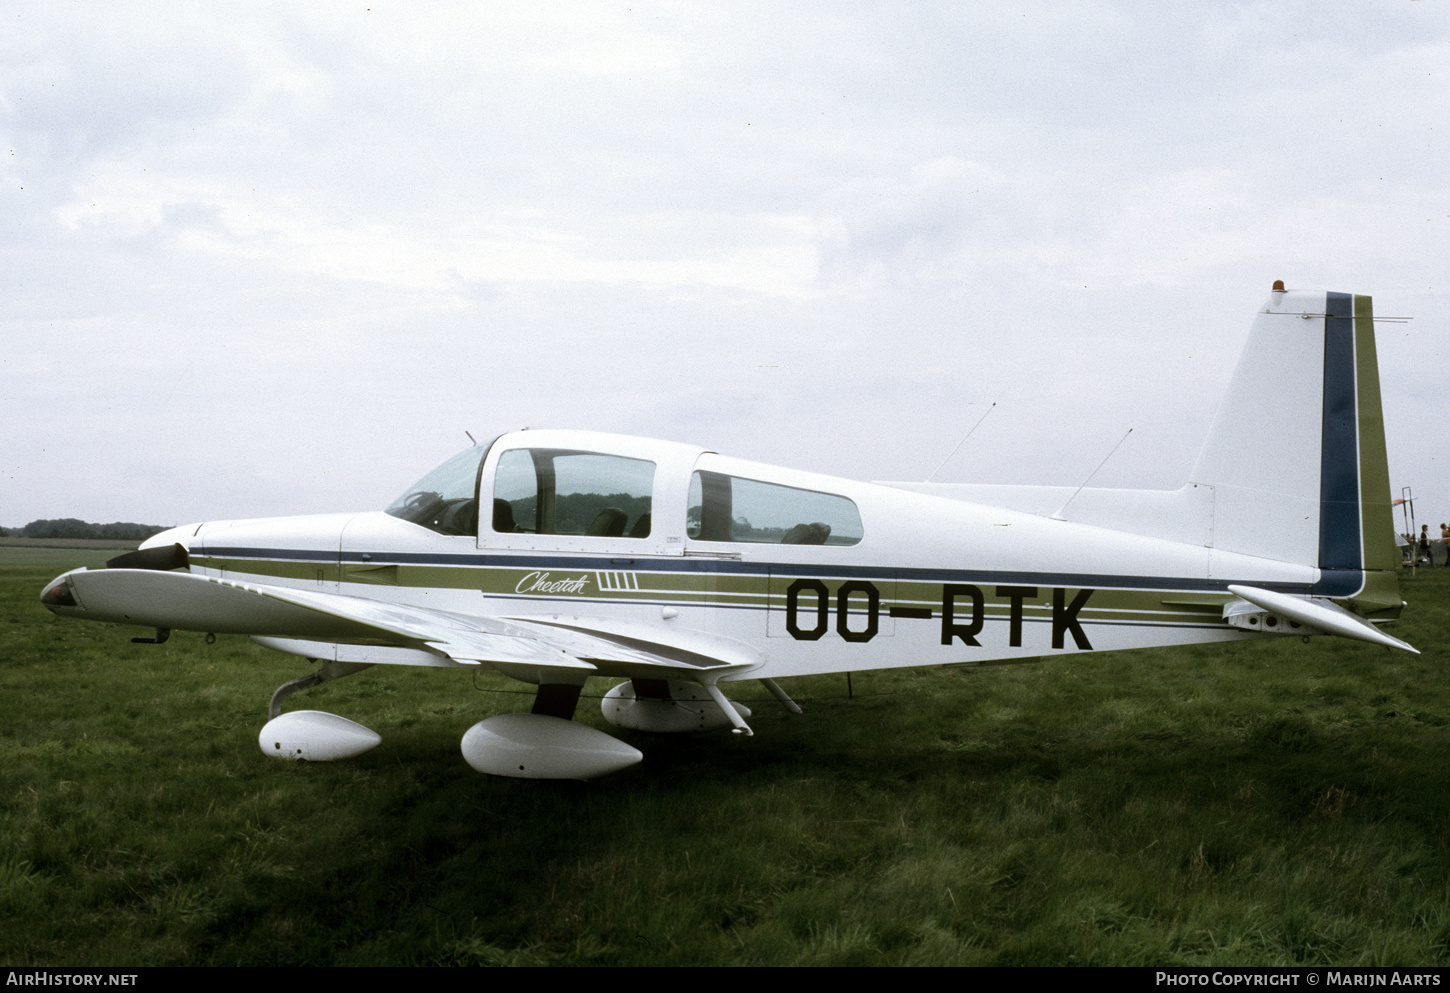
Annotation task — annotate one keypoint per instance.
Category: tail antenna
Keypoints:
(960, 444)
(1058, 516)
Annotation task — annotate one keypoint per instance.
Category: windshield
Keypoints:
(445, 500)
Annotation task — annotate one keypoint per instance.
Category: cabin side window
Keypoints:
(730, 508)
(556, 491)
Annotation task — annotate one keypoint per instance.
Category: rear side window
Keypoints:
(557, 491)
(730, 508)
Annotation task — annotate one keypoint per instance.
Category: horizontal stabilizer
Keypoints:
(1325, 615)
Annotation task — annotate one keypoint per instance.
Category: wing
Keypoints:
(344, 628)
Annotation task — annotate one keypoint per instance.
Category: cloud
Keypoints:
(253, 234)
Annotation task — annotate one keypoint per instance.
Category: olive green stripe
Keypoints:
(1381, 594)
(727, 587)
(729, 590)
(1377, 519)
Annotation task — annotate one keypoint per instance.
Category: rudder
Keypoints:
(1296, 455)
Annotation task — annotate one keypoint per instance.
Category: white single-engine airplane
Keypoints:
(553, 556)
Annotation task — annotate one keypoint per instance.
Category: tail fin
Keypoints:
(1296, 456)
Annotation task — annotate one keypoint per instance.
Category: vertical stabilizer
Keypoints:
(1296, 455)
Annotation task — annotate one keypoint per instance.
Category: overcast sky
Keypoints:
(265, 259)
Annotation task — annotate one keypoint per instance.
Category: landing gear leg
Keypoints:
(557, 700)
(780, 695)
(728, 709)
(328, 672)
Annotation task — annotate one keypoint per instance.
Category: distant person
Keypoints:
(1425, 545)
(1445, 541)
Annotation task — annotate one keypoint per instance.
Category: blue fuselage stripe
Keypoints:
(664, 564)
(1339, 510)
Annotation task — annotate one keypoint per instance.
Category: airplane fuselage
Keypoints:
(929, 581)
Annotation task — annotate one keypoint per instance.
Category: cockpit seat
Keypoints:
(608, 523)
(462, 518)
(807, 534)
(503, 517)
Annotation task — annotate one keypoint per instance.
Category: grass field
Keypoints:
(1268, 803)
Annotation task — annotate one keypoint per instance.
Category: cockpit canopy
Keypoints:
(536, 491)
(548, 490)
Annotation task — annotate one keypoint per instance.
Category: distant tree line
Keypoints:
(69, 527)
(574, 512)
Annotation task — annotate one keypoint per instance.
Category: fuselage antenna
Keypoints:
(960, 444)
(471, 438)
(1058, 516)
